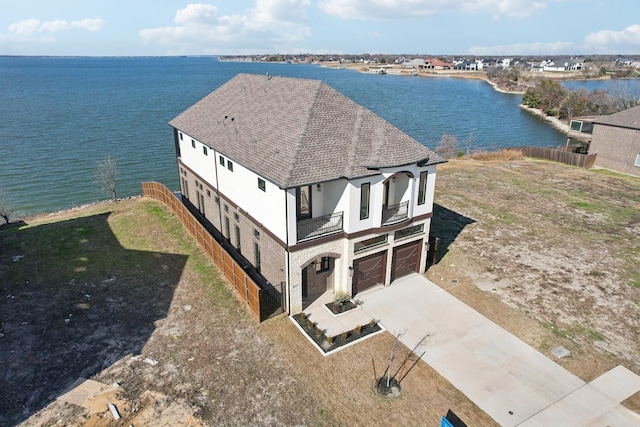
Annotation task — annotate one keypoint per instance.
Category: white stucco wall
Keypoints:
(431, 188)
(195, 159)
(240, 185)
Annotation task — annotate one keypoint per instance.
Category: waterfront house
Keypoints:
(438, 64)
(416, 63)
(616, 141)
(316, 192)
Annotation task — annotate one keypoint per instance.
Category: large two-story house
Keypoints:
(317, 192)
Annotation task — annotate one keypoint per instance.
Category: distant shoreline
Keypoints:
(460, 74)
(475, 75)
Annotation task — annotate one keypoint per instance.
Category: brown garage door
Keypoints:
(406, 259)
(369, 271)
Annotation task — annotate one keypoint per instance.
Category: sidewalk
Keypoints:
(505, 377)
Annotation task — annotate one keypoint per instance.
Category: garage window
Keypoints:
(409, 231)
(370, 243)
(638, 160)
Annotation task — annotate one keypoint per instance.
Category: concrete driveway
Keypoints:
(513, 383)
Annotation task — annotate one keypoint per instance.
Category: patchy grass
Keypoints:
(503, 155)
(567, 255)
(155, 297)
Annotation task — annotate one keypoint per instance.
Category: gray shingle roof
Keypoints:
(297, 131)
(629, 118)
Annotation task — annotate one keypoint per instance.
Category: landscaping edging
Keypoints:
(352, 304)
(319, 340)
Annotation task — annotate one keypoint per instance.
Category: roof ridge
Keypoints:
(287, 179)
(355, 139)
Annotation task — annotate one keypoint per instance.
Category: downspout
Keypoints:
(286, 216)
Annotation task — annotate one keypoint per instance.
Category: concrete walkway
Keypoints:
(505, 377)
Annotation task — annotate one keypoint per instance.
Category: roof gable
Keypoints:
(297, 131)
(629, 118)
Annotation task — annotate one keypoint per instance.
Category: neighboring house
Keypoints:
(504, 63)
(554, 65)
(416, 63)
(580, 133)
(576, 64)
(438, 64)
(468, 65)
(318, 193)
(616, 141)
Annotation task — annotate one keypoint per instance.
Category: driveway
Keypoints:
(513, 383)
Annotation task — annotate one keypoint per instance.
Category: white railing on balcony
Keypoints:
(395, 213)
(319, 226)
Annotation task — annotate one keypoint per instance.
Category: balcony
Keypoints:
(395, 213)
(319, 226)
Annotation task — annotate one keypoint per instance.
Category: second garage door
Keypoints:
(369, 271)
(406, 259)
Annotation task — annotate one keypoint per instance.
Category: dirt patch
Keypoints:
(557, 244)
(119, 294)
(168, 338)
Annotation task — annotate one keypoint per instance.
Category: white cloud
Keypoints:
(402, 9)
(555, 48)
(272, 25)
(510, 8)
(89, 24)
(32, 26)
(197, 14)
(626, 41)
(28, 26)
(606, 41)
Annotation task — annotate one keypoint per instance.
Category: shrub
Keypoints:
(502, 155)
(341, 297)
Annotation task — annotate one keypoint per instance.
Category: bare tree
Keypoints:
(6, 211)
(107, 175)
(448, 146)
(468, 142)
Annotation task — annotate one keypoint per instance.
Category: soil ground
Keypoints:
(118, 293)
(540, 247)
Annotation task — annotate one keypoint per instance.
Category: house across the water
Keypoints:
(316, 192)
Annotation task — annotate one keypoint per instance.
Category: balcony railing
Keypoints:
(395, 213)
(319, 226)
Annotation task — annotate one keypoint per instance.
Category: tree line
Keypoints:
(555, 100)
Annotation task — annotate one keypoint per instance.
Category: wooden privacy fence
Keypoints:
(560, 156)
(246, 289)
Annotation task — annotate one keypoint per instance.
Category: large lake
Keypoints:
(60, 116)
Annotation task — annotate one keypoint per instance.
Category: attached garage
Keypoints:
(406, 259)
(369, 271)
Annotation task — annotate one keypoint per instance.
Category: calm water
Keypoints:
(60, 116)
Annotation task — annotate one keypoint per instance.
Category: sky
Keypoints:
(257, 27)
